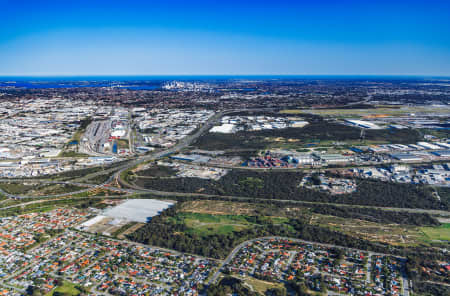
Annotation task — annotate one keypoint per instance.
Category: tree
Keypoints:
(276, 292)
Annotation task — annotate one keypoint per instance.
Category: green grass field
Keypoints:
(395, 234)
(157, 171)
(66, 289)
(437, 233)
(38, 189)
(261, 286)
(388, 111)
(16, 188)
(206, 224)
(122, 144)
(72, 154)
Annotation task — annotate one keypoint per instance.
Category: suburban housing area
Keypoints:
(283, 186)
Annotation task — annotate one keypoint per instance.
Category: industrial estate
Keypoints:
(225, 186)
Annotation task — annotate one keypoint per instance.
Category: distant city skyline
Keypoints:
(107, 38)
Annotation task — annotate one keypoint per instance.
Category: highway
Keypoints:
(185, 142)
(93, 134)
(136, 190)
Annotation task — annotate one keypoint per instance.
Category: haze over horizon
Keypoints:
(107, 38)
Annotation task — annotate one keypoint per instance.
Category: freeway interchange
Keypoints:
(115, 176)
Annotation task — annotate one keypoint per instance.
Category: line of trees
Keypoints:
(163, 232)
(377, 215)
(285, 186)
(276, 207)
(318, 129)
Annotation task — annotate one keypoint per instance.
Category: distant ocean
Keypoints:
(128, 82)
(155, 82)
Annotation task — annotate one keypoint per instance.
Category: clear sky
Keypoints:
(174, 37)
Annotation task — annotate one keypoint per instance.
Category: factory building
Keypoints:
(406, 157)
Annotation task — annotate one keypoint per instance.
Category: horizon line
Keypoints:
(221, 75)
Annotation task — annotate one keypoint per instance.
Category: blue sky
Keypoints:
(345, 37)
